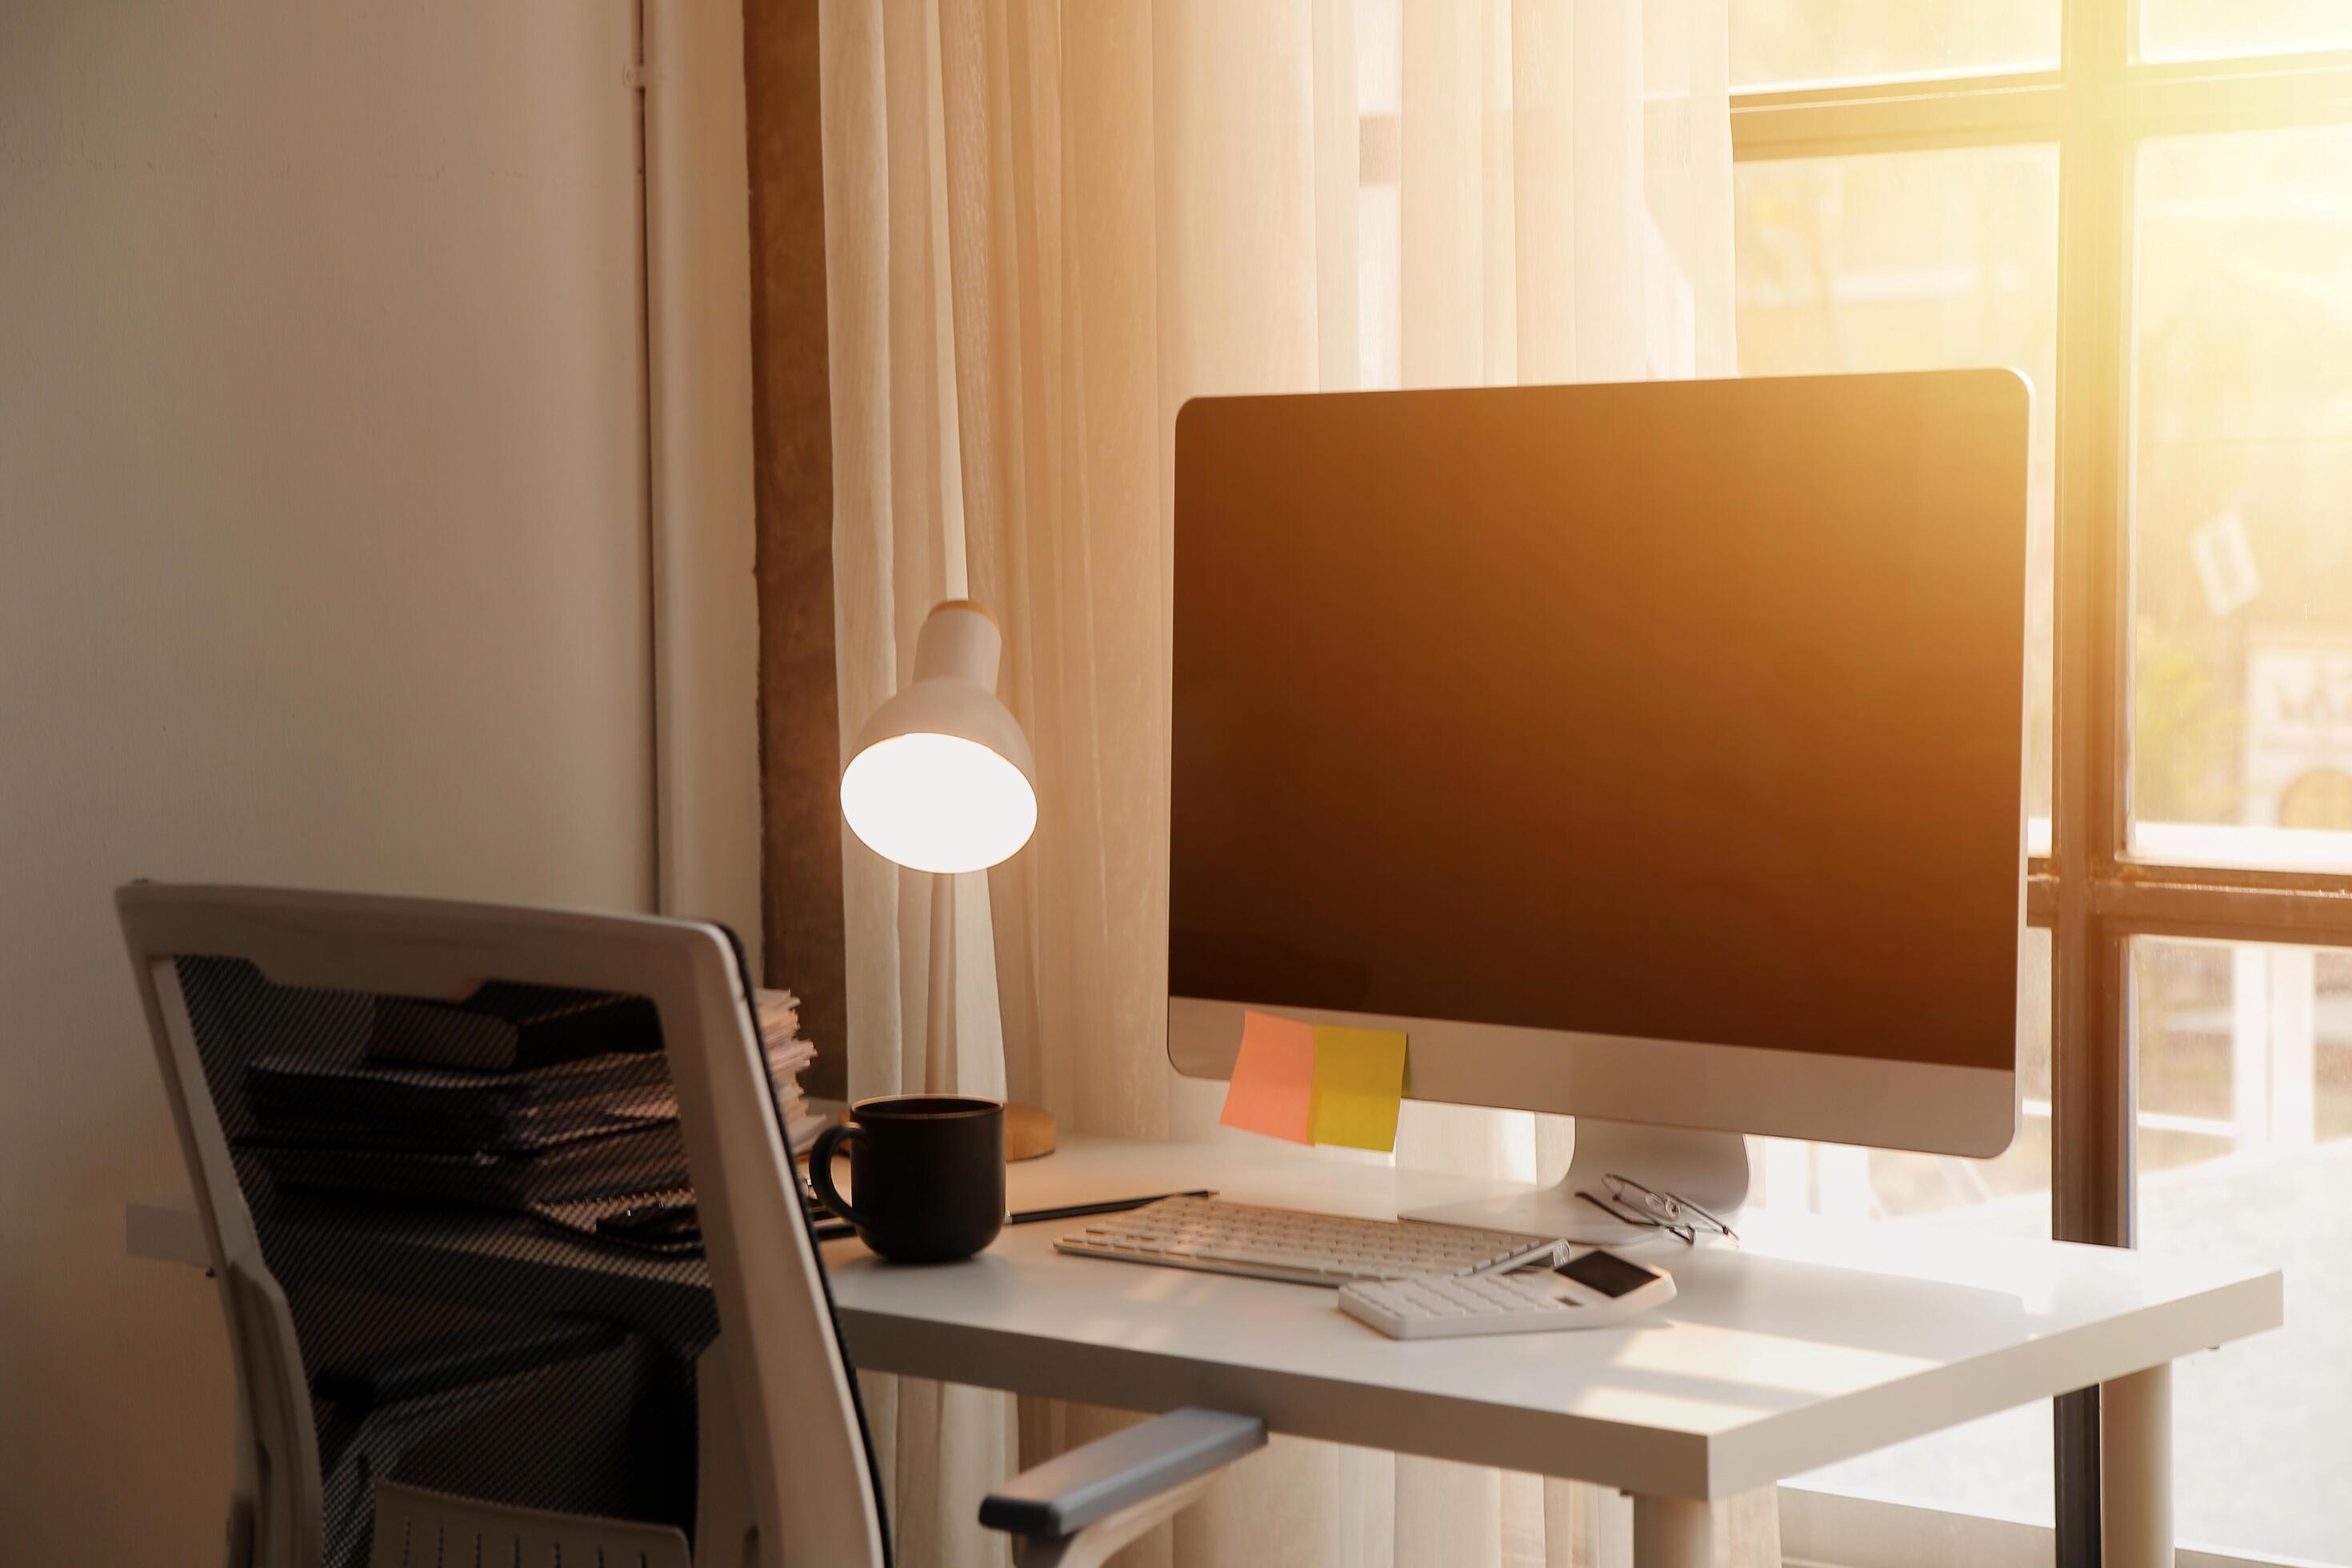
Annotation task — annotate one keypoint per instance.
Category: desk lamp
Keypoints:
(941, 780)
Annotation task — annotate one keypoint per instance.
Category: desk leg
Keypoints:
(1673, 1532)
(2135, 1470)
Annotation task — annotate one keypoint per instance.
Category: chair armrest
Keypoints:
(457, 1360)
(1064, 1495)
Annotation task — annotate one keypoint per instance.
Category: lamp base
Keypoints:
(1028, 1132)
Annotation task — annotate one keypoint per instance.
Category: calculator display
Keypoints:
(1606, 1272)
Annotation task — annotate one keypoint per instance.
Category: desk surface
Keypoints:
(1813, 1341)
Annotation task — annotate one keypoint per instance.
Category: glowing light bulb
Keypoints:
(938, 802)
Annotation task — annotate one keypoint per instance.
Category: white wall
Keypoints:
(322, 561)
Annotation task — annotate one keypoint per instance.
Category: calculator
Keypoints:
(1593, 1289)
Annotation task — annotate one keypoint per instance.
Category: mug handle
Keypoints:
(821, 1170)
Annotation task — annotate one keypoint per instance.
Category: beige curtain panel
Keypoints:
(1049, 224)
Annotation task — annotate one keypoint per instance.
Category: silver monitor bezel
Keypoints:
(1930, 1108)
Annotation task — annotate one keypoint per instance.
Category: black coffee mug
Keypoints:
(929, 1172)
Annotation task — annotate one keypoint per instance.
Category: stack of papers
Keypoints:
(366, 1103)
(503, 1026)
(585, 1108)
(779, 1015)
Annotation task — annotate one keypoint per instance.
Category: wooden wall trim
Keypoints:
(800, 728)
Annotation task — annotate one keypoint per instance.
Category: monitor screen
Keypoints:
(1688, 712)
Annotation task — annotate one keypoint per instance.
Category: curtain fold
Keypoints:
(1048, 224)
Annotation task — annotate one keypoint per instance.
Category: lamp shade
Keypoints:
(940, 778)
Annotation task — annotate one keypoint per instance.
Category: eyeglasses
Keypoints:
(1633, 1203)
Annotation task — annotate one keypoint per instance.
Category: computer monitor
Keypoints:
(1651, 752)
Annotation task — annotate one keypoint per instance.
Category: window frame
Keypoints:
(2097, 106)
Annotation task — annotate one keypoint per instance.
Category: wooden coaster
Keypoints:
(1028, 1132)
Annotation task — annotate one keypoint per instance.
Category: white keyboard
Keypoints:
(1303, 1249)
(1595, 1291)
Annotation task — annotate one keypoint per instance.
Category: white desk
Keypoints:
(1812, 1342)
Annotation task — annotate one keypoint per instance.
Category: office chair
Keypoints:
(353, 1365)
(534, 1418)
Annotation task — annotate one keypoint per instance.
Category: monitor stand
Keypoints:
(1709, 1169)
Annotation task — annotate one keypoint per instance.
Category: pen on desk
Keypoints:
(835, 1230)
(1109, 1205)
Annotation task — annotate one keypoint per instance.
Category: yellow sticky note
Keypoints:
(1273, 1084)
(1358, 1079)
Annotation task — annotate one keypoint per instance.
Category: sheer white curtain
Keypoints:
(1049, 222)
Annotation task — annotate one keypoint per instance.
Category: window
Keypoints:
(1795, 42)
(2245, 1155)
(2145, 205)
(2240, 475)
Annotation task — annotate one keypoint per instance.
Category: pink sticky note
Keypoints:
(1273, 1086)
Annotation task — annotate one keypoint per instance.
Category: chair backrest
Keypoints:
(275, 1511)
(225, 971)
(417, 1528)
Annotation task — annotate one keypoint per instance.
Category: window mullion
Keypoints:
(1834, 127)
(2218, 911)
(2091, 1078)
(2091, 1200)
